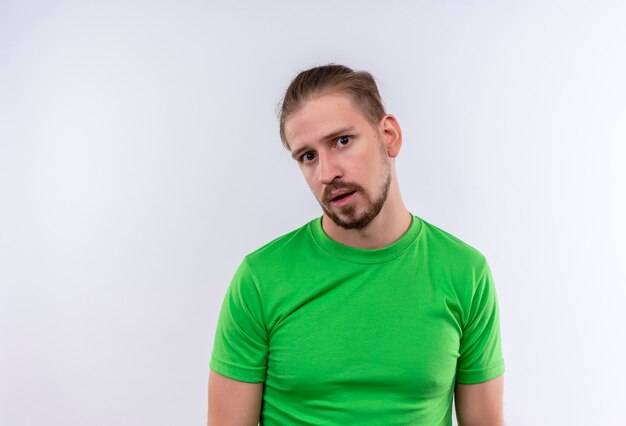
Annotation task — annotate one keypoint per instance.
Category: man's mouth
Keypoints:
(341, 196)
(339, 199)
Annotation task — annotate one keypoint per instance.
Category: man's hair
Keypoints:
(332, 78)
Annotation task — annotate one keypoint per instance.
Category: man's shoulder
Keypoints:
(284, 246)
(445, 245)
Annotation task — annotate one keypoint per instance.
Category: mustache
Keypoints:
(336, 186)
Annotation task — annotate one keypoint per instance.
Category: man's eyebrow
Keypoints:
(296, 154)
(340, 132)
(332, 135)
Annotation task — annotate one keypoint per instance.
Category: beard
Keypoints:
(346, 217)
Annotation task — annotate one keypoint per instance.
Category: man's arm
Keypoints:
(480, 404)
(233, 403)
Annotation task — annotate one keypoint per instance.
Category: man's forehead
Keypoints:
(321, 116)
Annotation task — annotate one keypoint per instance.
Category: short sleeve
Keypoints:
(480, 356)
(241, 340)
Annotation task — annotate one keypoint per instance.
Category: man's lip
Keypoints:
(342, 198)
(334, 196)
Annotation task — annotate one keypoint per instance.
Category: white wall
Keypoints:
(140, 160)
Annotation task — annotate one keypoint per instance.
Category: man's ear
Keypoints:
(392, 135)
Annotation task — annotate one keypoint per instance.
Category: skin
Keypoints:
(339, 151)
(480, 404)
(233, 403)
(316, 137)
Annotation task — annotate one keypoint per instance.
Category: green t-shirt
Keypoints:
(343, 336)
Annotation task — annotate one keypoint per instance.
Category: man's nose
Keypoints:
(328, 169)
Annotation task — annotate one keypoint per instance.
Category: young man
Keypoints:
(367, 315)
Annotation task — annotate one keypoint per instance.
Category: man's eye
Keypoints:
(342, 141)
(309, 156)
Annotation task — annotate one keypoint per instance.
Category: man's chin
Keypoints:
(349, 221)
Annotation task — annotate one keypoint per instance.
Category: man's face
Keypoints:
(342, 158)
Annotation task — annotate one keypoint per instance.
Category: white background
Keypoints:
(140, 161)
